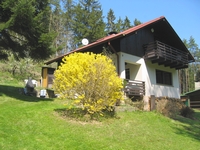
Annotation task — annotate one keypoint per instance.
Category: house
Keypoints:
(148, 56)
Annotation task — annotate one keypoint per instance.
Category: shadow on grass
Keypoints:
(81, 115)
(190, 127)
(14, 92)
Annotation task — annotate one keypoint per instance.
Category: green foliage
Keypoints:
(110, 26)
(197, 77)
(126, 24)
(187, 76)
(24, 28)
(137, 22)
(22, 68)
(119, 25)
(87, 21)
(59, 24)
(90, 80)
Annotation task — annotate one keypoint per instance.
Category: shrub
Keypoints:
(169, 107)
(90, 80)
(187, 112)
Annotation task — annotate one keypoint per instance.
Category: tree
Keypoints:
(110, 26)
(22, 68)
(187, 76)
(90, 80)
(126, 24)
(57, 24)
(119, 25)
(197, 77)
(136, 22)
(87, 21)
(24, 28)
(69, 15)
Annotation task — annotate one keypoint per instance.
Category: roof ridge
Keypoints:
(141, 25)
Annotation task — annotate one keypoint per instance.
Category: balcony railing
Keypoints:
(134, 87)
(166, 55)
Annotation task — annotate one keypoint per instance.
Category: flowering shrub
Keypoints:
(90, 80)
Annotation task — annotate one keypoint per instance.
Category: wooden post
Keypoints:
(44, 77)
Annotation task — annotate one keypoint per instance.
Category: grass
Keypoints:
(28, 123)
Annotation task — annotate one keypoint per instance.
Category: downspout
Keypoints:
(117, 57)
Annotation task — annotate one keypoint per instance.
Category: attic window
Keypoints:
(163, 77)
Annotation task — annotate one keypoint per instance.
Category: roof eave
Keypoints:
(98, 42)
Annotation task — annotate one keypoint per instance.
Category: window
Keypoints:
(163, 77)
(127, 72)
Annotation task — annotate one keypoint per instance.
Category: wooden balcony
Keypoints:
(166, 55)
(134, 87)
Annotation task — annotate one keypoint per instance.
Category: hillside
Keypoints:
(33, 123)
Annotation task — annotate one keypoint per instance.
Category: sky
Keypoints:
(183, 15)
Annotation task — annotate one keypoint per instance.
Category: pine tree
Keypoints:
(110, 26)
(136, 22)
(126, 24)
(119, 25)
(24, 28)
(87, 21)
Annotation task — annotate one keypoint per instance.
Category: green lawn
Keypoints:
(28, 123)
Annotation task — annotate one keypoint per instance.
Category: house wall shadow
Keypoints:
(14, 92)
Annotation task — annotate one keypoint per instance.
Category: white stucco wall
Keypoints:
(146, 71)
(159, 89)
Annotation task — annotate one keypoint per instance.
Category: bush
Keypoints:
(90, 80)
(169, 107)
(187, 112)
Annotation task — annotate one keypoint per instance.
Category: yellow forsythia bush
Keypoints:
(90, 80)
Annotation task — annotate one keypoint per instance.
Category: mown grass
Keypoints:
(33, 123)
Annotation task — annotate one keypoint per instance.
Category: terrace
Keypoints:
(166, 55)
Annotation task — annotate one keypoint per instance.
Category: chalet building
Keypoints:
(148, 56)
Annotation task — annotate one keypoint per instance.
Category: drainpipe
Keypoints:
(117, 57)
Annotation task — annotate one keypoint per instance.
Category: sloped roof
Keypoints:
(115, 36)
(192, 92)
